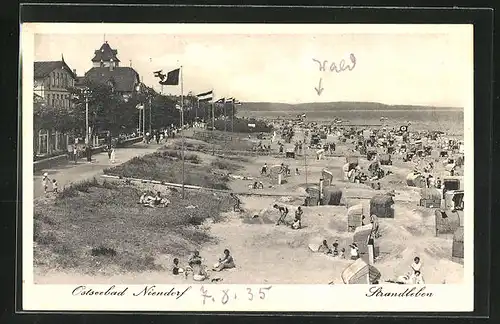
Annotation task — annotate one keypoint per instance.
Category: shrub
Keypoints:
(108, 185)
(104, 251)
(73, 189)
(153, 167)
(193, 158)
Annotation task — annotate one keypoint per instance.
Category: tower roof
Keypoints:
(123, 78)
(105, 54)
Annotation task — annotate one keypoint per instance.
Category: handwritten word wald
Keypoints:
(146, 291)
(333, 67)
(226, 295)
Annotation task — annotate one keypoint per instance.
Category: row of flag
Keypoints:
(208, 96)
(172, 78)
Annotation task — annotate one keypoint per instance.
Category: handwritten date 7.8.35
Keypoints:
(227, 295)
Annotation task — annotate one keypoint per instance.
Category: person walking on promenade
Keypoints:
(45, 182)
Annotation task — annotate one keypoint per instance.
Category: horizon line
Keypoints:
(353, 102)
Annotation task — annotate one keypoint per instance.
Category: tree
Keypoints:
(56, 118)
(108, 110)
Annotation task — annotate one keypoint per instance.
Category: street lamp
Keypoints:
(141, 107)
(86, 94)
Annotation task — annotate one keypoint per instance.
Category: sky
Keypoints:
(417, 68)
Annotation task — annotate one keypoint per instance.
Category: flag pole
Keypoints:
(182, 129)
(150, 108)
(225, 117)
(213, 122)
(305, 159)
(232, 117)
(197, 107)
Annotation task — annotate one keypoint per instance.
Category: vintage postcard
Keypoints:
(233, 167)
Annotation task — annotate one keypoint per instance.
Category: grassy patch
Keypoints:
(226, 165)
(176, 155)
(104, 228)
(166, 165)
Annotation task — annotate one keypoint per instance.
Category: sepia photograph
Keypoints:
(169, 160)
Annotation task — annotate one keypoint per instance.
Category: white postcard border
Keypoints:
(282, 298)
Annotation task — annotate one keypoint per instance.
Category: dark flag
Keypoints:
(172, 78)
(221, 101)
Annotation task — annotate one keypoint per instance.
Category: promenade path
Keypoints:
(67, 173)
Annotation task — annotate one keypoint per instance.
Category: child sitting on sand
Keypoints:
(418, 279)
(323, 248)
(297, 223)
(354, 251)
(176, 269)
(335, 245)
(226, 262)
(195, 259)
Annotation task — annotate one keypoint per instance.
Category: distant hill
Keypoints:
(321, 106)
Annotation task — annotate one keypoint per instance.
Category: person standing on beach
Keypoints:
(375, 224)
(283, 210)
(264, 169)
(237, 202)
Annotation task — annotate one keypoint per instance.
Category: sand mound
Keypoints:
(435, 256)
(332, 218)
(267, 215)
